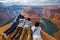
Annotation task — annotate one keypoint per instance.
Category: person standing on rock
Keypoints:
(12, 28)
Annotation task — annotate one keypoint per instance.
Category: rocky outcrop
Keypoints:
(53, 13)
(30, 13)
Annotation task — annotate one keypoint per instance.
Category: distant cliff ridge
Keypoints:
(5, 15)
(8, 12)
(53, 13)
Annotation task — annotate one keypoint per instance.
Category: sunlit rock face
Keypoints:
(53, 13)
(5, 15)
(30, 13)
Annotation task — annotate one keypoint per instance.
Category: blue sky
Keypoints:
(31, 2)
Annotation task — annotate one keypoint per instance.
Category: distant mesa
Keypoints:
(5, 15)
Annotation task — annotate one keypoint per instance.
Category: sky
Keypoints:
(31, 2)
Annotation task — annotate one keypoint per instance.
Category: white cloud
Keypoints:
(26, 1)
(30, 2)
(9, 0)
